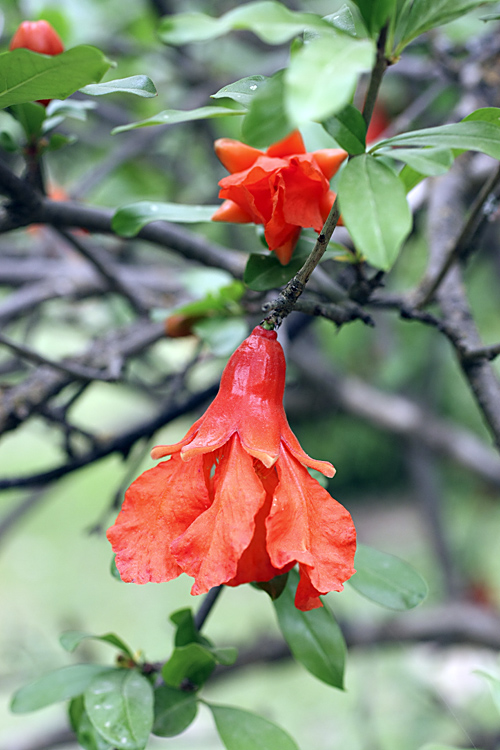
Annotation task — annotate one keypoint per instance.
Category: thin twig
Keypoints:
(206, 606)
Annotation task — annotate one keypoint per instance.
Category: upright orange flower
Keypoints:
(235, 502)
(284, 188)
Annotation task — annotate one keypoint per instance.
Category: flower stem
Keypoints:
(206, 606)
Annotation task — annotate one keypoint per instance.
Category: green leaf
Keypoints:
(221, 335)
(58, 140)
(31, 117)
(321, 77)
(174, 711)
(375, 14)
(469, 136)
(410, 178)
(175, 116)
(72, 638)
(387, 580)
(426, 161)
(270, 21)
(59, 685)
(314, 637)
(374, 209)
(242, 91)
(186, 630)
(138, 85)
(266, 121)
(486, 114)
(424, 15)
(26, 76)
(11, 132)
(242, 730)
(348, 128)
(439, 746)
(120, 707)
(342, 20)
(264, 271)
(192, 662)
(129, 220)
(87, 735)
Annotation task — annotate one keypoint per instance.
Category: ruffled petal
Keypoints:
(285, 251)
(212, 546)
(233, 213)
(158, 507)
(160, 451)
(329, 160)
(295, 448)
(307, 525)
(292, 144)
(304, 186)
(234, 155)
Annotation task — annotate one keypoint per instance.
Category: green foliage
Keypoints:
(385, 221)
(270, 21)
(494, 685)
(242, 91)
(119, 704)
(348, 128)
(387, 580)
(267, 120)
(314, 637)
(59, 685)
(72, 639)
(427, 161)
(26, 76)
(138, 85)
(175, 116)
(129, 220)
(376, 14)
(192, 662)
(87, 735)
(242, 730)
(470, 135)
(174, 711)
(264, 271)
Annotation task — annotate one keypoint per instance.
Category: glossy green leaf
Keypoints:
(264, 271)
(129, 220)
(426, 161)
(270, 21)
(72, 639)
(375, 14)
(410, 178)
(87, 735)
(26, 76)
(186, 630)
(175, 116)
(138, 85)
(242, 730)
(120, 707)
(242, 91)
(387, 580)
(469, 136)
(267, 121)
(174, 711)
(59, 685)
(342, 19)
(192, 662)
(30, 116)
(221, 335)
(321, 77)
(348, 128)
(314, 637)
(424, 15)
(374, 209)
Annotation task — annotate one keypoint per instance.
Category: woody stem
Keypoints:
(285, 302)
(206, 606)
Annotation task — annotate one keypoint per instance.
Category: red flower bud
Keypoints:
(38, 36)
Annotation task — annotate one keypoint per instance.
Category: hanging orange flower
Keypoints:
(235, 502)
(284, 188)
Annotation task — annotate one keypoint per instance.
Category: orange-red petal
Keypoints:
(232, 212)
(307, 525)
(285, 250)
(211, 547)
(292, 144)
(329, 160)
(158, 507)
(234, 155)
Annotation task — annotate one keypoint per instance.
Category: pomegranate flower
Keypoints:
(38, 36)
(284, 188)
(235, 503)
